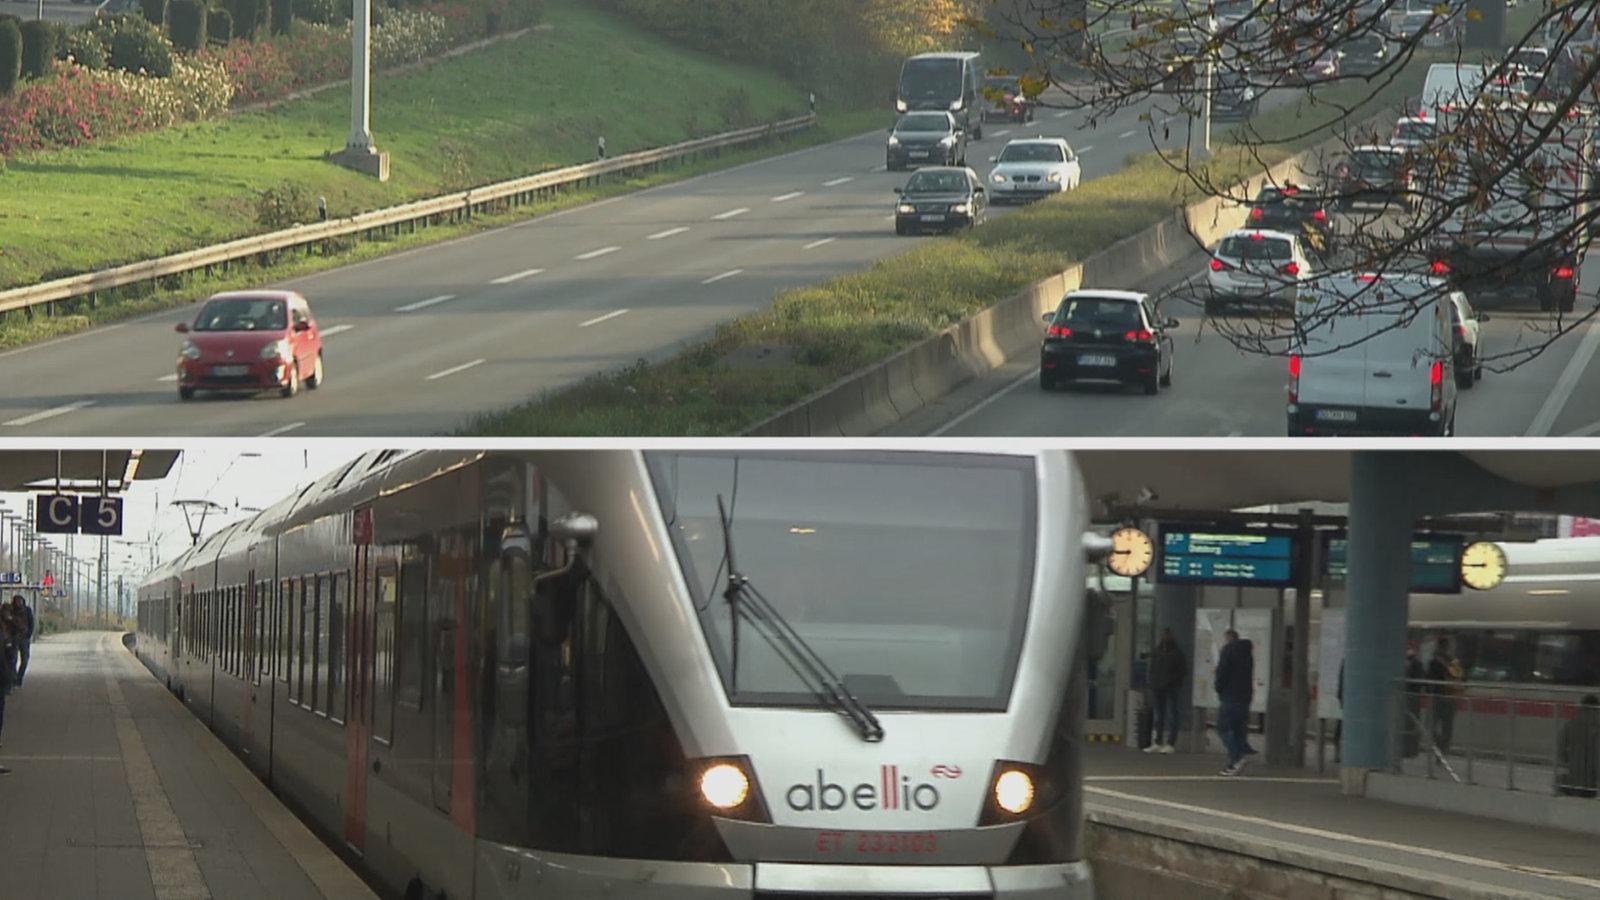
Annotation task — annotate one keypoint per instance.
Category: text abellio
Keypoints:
(893, 791)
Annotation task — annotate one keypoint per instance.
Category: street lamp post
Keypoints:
(359, 152)
(1200, 122)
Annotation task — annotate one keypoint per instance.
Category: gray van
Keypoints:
(950, 82)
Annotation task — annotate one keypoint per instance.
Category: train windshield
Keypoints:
(908, 574)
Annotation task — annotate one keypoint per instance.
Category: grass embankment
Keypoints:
(828, 331)
(517, 107)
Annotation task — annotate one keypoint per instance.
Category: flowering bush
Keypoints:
(409, 36)
(79, 104)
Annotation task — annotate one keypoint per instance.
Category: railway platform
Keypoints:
(1292, 833)
(117, 791)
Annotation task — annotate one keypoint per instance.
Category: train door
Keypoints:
(247, 727)
(444, 680)
(359, 677)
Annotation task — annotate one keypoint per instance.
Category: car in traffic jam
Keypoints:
(926, 139)
(940, 199)
(1107, 336)
(1032, 168)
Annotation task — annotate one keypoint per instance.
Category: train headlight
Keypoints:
(1013, 791)
(724, 786)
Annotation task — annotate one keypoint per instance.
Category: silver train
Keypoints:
(659, 674)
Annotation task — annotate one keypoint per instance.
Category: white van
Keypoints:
(1373, 355)
(1449, 86)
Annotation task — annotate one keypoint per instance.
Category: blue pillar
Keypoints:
(1382, 514)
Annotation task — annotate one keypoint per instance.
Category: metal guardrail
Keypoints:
(458, 205)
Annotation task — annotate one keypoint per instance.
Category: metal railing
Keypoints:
(1520, 737)
(453, 207)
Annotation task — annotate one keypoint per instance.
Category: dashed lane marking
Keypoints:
(514, 276)
(282, 429)
(455, 369)
(51, 413)
(598, 319)
(666, 234)
(593, 254)
(838, 181)
(337, 329)
(815, 244)
(789, 196)
(424, 304)
(716, 278)
(731, 213)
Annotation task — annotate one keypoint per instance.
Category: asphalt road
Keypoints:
(1220, 391)
(419, 341)
(54, 10)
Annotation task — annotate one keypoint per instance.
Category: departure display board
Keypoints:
(1435, 562)
(1207, 555)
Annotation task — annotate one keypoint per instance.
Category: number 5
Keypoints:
(109, 513)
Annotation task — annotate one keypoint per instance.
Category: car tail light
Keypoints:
(1255, 213)
(1292, 269)
(1319, 216)
(1563, 272)
(1059, 331)
(1461, 331)
(1294, 379)
(1218, 265)
(1258, 236)
(1436, 385)
(1439, 267)
(1140, 335)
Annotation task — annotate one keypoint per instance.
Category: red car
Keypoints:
(250, 341)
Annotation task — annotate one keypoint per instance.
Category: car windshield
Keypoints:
(1032, 153)
(1109, 312)
(243, 314)
(1367, 44)
(909, 574)
(1375, 161)
(937, 183)
(1415, 132)
(1530, 59)
(1244, 246)
(924, 122)
(931, 79)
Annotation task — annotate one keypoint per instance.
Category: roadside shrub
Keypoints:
(83, 47)
(155, 11)
(10, 56)
(219, 26)
(38, 48)
(409, 36)
(317, 12)
(134, 44)
(282, 16)
(282, 206)
(246, 18)
(186, 23)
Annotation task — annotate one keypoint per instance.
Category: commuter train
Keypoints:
(659, 673)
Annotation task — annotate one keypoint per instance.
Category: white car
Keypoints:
(1413, 132)
(1256, 266)
(1032, 168)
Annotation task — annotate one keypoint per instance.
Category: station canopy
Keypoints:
(83, 469)
(1222, 480)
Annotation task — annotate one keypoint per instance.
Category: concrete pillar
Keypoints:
(1382, 515)
(1174, 608)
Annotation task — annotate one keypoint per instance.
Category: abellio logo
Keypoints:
(893, 790)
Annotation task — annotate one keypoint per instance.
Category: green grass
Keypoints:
(512, 109)
(832, 330)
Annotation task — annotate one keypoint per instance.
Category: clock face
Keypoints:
(1483, 565)
(1131, 552)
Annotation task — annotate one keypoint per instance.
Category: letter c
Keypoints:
(53, 510)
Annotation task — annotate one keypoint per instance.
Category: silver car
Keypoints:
(1032, 168)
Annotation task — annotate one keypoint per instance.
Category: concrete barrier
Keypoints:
(1134, 855)
(988, 339)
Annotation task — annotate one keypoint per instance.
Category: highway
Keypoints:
(1219, 391)
(420, 341)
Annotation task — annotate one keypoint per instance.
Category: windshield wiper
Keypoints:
(802, 659)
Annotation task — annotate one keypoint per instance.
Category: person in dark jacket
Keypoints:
(1235, 685)
(1410, 729)
(1579, 751)
(1168, 669)
(8, 657)
(22, 621)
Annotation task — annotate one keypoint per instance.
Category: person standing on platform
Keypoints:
(1411, 728)
(8, 659)
(22, 619)
(1235, 684)
(1168, 668)
(1445, 668)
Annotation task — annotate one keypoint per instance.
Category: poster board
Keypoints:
(1255, 625)
(1331, 659)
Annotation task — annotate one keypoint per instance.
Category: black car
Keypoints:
(1105, 335)
(940, 198)
(926, 139)
(1363, 54)
(1373, 174)
(1295, 209)
(1233, 96)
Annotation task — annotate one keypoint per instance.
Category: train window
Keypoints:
(304, 645)
(413, 623)
(319, 646)
(338, 601)
(282, 632)
(384, 600)
(263, 613)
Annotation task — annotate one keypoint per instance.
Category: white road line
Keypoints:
(1127, 134)
(598, 319)
(728, 274)
(878, 169)
(812, 245)
(51, 413)
(666, 234)
(337, 329)
(597, 253)
(1064, 113)
(172, 377)
(516, 276)
(454, 369)
(731, 213)
(1562, 392)
(1324, 836)
(838, 181)
(282, 429)
(1002, 132)
(789, 196)
(424, 304)
(1085, 149)
(995, 398)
